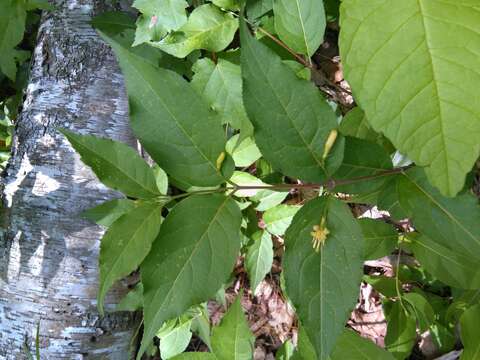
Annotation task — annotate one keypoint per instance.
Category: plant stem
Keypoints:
(330, 184)
(286, 47)
(199, 192)
(397, 281)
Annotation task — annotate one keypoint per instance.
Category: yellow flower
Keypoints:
(319, 235)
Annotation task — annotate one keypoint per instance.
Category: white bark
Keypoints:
(48, 255)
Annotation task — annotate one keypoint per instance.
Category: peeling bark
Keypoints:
(48, 264)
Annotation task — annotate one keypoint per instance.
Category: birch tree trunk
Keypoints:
(48, 254)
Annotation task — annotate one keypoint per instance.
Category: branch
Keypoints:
(330, 184)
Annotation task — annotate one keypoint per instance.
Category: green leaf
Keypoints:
(164, 116)
(244, 153)
(201, 325)
(105, 214)
(352, 346)
(368, 198)
(120, 29)
(363, 158)
(175, 341)
(258, 8)
(221, 85)
(285, 352)
(268, 24)
(207, 28)
(292, 120)
(259, 258)
(191, 258)
(232, 339)
(113, 22)
(388, 198)
(161, 179)
(460, 304)
(380, 238)
(449, 265)
(158, 17)
(332, 8)
(228, 4)
(195, 356)
(443, 338)
(125, 245)
(305, 349)
(133, 301)
(300, 24)
(323, 286)
(220, 296)
(384, 285)
(301, 71)
(12, 27)
(278, 218)
(268, 199)
(469, 333)
(453, 223)
(422, 310)
(428, 117)
(246, 179)
(116, 164)
(242, 205)
(38, 4)
(355, 124)
(401, 332)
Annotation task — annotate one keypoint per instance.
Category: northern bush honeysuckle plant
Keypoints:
(221, 99)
